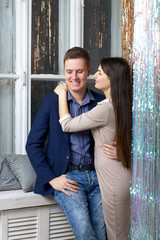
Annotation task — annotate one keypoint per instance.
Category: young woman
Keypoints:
(110, 120)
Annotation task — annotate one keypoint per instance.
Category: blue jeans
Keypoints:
(84, 209)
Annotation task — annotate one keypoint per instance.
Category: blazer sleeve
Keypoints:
(97, 117)
(35, 143)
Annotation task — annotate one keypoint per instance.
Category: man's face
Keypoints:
(76, 73)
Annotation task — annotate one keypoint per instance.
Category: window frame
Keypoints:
(21, 83)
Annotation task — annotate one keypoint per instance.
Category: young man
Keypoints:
(66, 169)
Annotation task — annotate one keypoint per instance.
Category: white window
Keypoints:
(34, 35)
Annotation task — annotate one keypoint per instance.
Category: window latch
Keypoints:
(24, 78)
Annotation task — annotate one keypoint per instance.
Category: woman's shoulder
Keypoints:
(106, 106)
(106, 102)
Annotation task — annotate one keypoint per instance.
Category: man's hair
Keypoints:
(77, 52)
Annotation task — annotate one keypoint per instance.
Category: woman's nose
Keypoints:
(95, 75)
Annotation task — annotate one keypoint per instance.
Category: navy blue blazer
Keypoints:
(54, 161)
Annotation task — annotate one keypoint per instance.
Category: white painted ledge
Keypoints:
(17, 199)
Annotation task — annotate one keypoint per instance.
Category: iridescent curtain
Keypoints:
(145, 191)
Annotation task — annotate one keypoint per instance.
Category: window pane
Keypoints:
(7, 66)
(50, 41)
(97, 30)
(7, 105)
(39, 89)
(7, 36)
(45, 36)
(50, 35)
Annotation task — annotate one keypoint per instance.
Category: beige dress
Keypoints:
(114, 179)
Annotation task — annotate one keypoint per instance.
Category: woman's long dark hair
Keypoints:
(119, 73)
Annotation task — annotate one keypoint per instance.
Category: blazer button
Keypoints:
(67, 157)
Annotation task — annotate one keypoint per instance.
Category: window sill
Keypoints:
(16, 199)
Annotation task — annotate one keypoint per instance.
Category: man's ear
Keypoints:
(89, 70)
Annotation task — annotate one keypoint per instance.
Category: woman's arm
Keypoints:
(96, 117)
(61, 91)
(77, 124)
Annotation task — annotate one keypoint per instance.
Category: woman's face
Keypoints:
(102, 81)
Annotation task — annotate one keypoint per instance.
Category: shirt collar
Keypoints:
(88, 97)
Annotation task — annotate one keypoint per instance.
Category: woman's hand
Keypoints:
(60, 89)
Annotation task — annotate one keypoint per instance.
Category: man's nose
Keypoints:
(74, 75)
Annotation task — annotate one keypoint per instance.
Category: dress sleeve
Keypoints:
(97, 117)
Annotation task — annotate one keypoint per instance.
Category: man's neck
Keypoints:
(78, 96)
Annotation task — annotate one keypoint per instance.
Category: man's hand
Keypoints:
(110, 150)
(62, 184)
